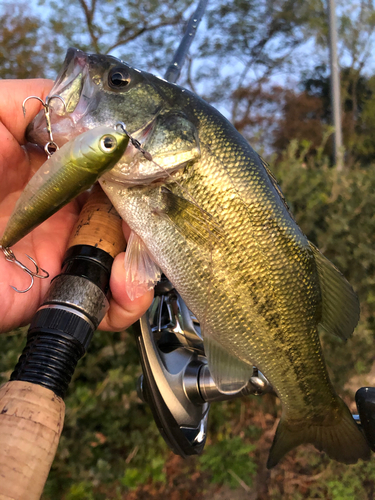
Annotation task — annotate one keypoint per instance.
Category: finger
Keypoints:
(126, 230)
(12, 95)
(17, 165)
(122, 311)
(46, 245)
(36, 157)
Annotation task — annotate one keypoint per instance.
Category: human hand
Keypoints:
(47, 243)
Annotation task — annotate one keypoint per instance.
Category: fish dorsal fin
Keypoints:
(274, 182)
(192, 221)
(141, 272)
(340, 305)
(230, 374)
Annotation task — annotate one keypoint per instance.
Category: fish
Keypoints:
(207, 210)
(70, 171)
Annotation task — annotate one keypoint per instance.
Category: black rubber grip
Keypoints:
(59, 334)
(56, 341)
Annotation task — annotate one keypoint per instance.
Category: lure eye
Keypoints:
(107, 143)
(118, 78)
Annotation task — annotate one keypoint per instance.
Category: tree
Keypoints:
(358, 111)
(24, 49)
(241, 45)
(302, 120)
(142, 32)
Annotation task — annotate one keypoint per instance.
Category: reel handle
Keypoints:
(31, 405)
(365, 399)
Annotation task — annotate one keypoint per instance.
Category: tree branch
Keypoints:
(142, 30)
(89, 14)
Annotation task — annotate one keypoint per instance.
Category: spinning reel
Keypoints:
(176, 381)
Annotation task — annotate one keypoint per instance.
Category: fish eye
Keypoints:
(107, 143)
(118, 78)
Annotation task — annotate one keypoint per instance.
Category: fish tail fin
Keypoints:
(337, 435)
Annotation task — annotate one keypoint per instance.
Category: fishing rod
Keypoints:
(32, 408)
(174, 69)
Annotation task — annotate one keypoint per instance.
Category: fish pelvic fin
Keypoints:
(340, 305)
(229, 372)
(141, 272)
(337, 435)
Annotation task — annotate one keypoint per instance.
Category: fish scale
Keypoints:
(215, 221)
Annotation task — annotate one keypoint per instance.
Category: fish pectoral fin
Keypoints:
(192, 221)
(340, 305)
(337, 435)
(173, 141)
(230, 374)
(141, 272)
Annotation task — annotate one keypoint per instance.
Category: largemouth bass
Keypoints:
(209, 212)
(70, 171)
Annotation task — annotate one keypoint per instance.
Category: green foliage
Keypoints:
(352, 482)
(80, 491)
(344, 490)
(229, 462)
(152, 470)
(110, 442)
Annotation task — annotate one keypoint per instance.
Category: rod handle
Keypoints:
(32, 415)
(99, 225)
(31, 421)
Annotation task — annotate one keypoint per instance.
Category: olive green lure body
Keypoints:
(70, 171)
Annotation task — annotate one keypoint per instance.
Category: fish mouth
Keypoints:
(70, 82)
(75, 99)
(76, 92)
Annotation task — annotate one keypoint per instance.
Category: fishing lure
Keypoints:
(70, 171)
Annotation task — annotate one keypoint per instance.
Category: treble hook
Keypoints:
(10, 257)
(46, 105)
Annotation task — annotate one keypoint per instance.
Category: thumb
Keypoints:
(122, 311)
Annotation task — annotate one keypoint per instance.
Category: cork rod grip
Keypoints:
(99, 225)
(32, 416)
(31, 421)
